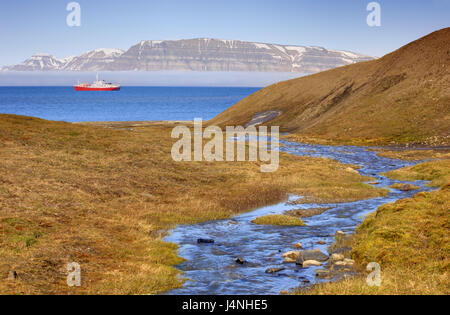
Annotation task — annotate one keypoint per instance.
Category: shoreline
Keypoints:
(386, 145)
(133, 123)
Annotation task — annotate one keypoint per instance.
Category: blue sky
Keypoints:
(28, 27)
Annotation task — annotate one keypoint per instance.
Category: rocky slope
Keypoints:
(402, 97)
(199, 54)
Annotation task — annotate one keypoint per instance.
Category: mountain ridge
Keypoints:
(403, 97)
(198, 54)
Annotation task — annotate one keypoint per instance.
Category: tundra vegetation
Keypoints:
(279, 219)
(104, 196)
(401, 98)
(409, 238)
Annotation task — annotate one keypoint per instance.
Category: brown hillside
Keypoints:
(402, 97)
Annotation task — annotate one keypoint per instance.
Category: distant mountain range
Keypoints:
(201, 54)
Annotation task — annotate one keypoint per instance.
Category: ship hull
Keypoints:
(87, 88)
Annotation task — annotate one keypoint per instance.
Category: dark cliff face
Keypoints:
(202, 55)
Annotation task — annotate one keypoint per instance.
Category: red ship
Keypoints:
(98, 85)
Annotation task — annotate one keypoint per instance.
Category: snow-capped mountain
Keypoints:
(38, 62)
(201, 54)
(95, 60)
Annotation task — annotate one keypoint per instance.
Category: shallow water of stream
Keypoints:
(211, 269)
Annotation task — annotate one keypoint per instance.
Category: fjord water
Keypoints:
(129, 104)
(211, 268)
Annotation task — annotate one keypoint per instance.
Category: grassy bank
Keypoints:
(105, 197)
(279, 219)
(409, 239)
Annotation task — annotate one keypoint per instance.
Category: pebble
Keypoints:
(240, 261)
(291, 257)
(337, 257)
(205, 241)
(274, 270)
(12, 275)
(322, 273)
(311, 263)
(298, 246)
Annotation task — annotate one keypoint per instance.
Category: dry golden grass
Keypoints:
(104, 197)
(279, 219)
(410, 239)
(414, 155)
(437, 172)
(395, 281)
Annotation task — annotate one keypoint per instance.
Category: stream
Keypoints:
(211, 268)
